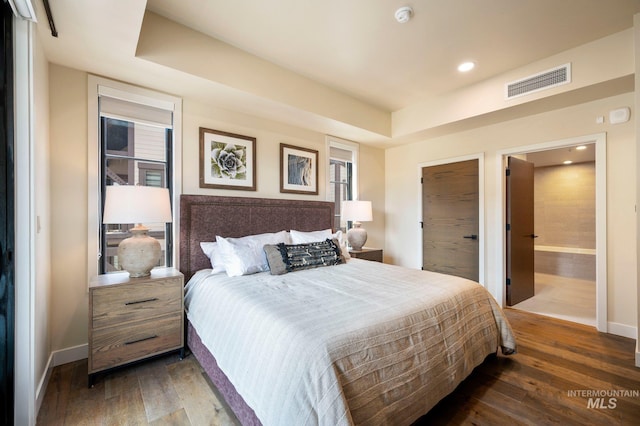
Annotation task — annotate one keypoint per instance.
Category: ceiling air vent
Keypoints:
(544, 80)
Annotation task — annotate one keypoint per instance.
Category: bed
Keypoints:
(358, 342)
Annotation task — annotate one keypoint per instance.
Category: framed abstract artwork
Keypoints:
(227, 160)
(298, 170)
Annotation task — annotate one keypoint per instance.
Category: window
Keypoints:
(135, 143)
(133, 154)
(342, 185)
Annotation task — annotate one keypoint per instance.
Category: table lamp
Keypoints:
(357, 211)
(139, 253)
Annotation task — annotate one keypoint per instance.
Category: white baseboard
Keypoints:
(622, 330)
(68, 355)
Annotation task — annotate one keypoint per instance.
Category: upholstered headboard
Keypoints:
(202, 217)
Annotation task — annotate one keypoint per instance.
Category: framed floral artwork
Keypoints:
(227, 160)
(298, 170)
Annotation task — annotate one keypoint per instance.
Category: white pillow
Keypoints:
(245, 255)
(300, 237)
(212, 251)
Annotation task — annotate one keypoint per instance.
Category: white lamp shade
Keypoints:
(357, 211)
(136, 204)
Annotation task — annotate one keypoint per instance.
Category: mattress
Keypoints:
(357, 343)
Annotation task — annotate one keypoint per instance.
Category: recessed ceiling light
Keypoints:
(466, 66)
(404, 14)
(567, 162)
(581, 147)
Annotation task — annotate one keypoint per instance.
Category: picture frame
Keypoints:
(227, 160)
(298, 170)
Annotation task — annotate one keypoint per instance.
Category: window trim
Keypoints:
(349, 146)
(332, 141)
(100, 85)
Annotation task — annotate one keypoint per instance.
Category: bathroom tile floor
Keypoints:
(570, 299)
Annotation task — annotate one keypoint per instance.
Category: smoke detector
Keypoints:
(404, 14)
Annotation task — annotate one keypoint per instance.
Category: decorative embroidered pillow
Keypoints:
(283, 258)
(302, 237)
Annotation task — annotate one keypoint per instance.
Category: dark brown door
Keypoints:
(520, 235)
(450, 219)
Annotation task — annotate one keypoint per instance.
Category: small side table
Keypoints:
(373, 254)
(131, 319)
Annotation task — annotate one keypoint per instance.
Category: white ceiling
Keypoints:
(555, 157)
(358, 47)
(353, 46)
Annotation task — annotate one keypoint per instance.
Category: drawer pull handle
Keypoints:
(141, 340)
(153, 299)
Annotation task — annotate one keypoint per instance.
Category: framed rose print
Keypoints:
(227, 160)
(298, 170)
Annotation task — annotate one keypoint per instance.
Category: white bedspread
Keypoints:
(359, 343)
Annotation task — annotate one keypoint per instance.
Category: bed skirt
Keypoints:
(243, 412)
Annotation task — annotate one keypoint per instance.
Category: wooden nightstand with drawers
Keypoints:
(131, 319)
(367, 254)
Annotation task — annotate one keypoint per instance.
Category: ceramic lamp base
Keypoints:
(357, 236)
(140, 253)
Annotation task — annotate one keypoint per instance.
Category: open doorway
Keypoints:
(569, 210)
(564, 227)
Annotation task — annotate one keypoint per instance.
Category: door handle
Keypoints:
(472, 237)
(533, 236)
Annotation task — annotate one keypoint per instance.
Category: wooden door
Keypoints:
(520, 231)
(450, 219)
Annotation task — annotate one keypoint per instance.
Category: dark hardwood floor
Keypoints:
(564, 374)
(164, 391)
(559, 366)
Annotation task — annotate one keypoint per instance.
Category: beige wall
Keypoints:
(565, 205)
(402, 188)
(68, 100)
(371, 188)
(269, 135)
(68, 162)
(565, 220)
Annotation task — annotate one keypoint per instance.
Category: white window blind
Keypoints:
(140, 109)
(340, 154)
(128, 111)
